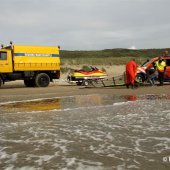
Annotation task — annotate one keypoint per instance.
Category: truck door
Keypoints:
(5, 61)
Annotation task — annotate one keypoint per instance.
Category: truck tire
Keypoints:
(42, 80)
(29, 82)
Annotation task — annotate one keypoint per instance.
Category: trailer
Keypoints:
(109, 81)
(113, 81)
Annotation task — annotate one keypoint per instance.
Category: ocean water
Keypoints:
(90, 132)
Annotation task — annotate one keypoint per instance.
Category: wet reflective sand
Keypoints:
(86, 133)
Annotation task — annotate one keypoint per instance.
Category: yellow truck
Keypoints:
(37, 66)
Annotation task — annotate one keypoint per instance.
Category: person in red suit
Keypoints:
(131, 68)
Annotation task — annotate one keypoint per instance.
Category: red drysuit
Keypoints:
(131, 67)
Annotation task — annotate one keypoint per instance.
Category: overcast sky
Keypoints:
(86, 24)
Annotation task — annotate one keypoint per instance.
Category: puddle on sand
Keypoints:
(40, 105)
(73, 102)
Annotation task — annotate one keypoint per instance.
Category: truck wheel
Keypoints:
(42, 80)
(29, 82)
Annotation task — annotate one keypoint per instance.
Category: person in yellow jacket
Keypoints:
(161, 68)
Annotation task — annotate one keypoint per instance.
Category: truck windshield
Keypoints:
(3, 55)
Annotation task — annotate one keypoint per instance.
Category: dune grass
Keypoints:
(108, 56)
(99, 61)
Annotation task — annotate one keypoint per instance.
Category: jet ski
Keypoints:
(83, 77)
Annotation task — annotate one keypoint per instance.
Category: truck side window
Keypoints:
(3, 56)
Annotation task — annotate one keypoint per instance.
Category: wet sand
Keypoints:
(16, 91)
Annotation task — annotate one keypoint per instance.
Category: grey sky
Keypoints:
(86, 24)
